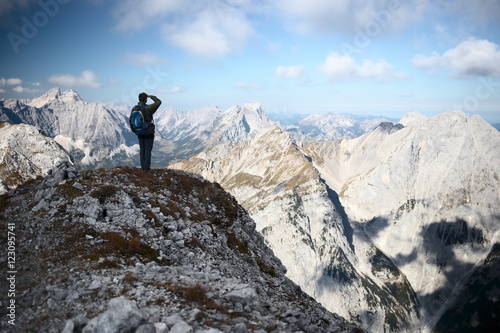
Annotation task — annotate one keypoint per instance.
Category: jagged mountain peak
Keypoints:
(50, 95)
(71, 95)
(89, 131)
(412, 119)
(455, 118)
(55, 95)
(167, 242)
(256, 107)
(388, 127)
(251, 110)
(457, 121)
(241, 123)
(247, 108)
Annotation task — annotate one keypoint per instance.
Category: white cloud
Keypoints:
(173, 90)
(208, 28)
(113, 82)
(344, 67)
(2, 91)
(424, 62)
(375, 18)
(213, 32)
(289, 72)
(10, 82)
(351, 15)
(469, 59)
(20, 89)
(135, 15)
(472, 12)
(86, 79)
(143, 59)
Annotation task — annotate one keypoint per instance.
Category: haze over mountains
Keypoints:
(387, 224)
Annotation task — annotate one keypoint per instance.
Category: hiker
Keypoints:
(144, 127)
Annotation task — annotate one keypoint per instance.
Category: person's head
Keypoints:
(143, 97)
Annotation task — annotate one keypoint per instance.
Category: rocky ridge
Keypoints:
(25, 153)
(165, 251)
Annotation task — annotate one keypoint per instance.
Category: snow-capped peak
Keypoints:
(44, 99)
(70, 95)
(240, 123)
(412, 119)
(55, 94)
(254, 107)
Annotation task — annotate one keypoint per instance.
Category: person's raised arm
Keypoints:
(153, 107)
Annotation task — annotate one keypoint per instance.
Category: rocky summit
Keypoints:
(121, 250)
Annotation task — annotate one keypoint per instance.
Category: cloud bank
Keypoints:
(339, 67)
(206, 28)
(147, 58)
(87, 79)
(10, 82)
(290, 72)
(470, 59)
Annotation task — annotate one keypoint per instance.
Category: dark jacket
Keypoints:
(149, 110)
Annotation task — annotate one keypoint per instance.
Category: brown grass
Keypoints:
(129, 278)
(104, 192)
(194, 294)
(235, 244)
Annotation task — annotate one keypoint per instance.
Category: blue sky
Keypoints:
(381, 57)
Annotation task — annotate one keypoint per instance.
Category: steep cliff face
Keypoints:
(427, 195)
(166, 250)
(476, 305)
(303, 223)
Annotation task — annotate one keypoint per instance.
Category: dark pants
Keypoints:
(146, 146)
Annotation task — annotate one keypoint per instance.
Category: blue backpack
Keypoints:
(138, 123)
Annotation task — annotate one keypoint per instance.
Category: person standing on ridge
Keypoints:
(146, 133)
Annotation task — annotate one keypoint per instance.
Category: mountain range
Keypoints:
(332, 126)
(389, 224)
(97, 134)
